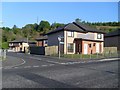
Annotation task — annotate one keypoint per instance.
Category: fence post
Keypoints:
(110, 53)
(81, 55)
(97, 55)
(4, 54)
(90, 55)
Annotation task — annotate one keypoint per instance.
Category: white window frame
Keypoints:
(72, 50)
(70, 33)
(99, 36)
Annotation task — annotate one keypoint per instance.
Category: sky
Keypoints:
(22, 13)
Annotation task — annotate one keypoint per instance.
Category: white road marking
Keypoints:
(44, 65)
(7, 68)
(19, 64)
(35, 66)
(109, 59)
(51, 64)
(35, 58)
(1, 67)
(15, 67)
(27, 67)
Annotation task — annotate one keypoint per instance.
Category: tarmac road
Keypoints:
(45, 72)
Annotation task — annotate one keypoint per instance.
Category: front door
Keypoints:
(78, 48)
(85, 48)
(97, 47)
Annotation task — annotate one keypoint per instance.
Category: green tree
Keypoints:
(56, 25)
(78, 20)
(35, 26)
(44, 27)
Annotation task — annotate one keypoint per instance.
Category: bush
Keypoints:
(5, 45)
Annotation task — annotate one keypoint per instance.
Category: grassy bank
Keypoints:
(88, 56)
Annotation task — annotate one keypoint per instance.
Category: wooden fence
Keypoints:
(44, 50)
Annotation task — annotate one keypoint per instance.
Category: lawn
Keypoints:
(88, 56)
(82, 56)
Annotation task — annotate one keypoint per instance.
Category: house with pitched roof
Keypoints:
(20, 45)
(77, 38)
(42, 41)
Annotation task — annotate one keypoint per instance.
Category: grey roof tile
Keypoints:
(114, 33)
(87, 28)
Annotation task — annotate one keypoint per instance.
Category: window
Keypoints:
(70, 47)
(45, 42)
(89, 45)
(70, 34)
(99, 36)
(93, 44)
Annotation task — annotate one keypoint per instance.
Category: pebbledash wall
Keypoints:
(89, 35)
(53, 40)
(69, 40)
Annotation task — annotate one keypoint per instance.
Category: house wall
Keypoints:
(69, 40)
(24, 45)
(89, 35)
(15, 46)
(53, 40)
(93, 49)
(19, 47)
(86, 35)
(39, 43)
(112, 42)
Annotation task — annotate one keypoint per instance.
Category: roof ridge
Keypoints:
(79, 26)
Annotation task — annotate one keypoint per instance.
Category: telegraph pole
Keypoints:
(60, 42)
(59, 39)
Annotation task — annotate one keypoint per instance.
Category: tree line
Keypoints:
(35, 30)
(31, 31)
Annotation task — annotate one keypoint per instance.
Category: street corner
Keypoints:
(11, 62)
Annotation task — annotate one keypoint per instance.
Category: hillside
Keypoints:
(32, 31)
(107, 29)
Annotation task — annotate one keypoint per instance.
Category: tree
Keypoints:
(44, 26)
(78, 20)
(56, 25)
(35, 26)
(83, 22)
(15, 29)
